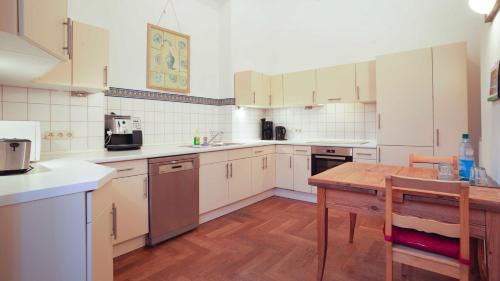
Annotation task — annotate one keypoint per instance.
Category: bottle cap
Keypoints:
(465, 136)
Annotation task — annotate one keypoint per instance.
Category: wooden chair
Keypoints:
(456, 267)
(424, 159)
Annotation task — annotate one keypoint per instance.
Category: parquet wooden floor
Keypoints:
(273, 240)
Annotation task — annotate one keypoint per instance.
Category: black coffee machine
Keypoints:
(266, 129)
(280, 133)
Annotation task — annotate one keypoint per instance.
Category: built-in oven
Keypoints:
(327, 157)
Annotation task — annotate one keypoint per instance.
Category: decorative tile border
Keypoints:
(149, 95)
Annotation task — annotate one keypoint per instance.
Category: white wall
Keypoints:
(490, 53)
(126, 21)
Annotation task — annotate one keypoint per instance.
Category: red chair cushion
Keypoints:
(428, 242)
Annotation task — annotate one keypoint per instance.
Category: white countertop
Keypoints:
(51, 179)
(103, 156)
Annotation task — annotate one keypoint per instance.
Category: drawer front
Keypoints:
(239, 153)
(129, 168)
(263, 150)
(286, 149)
(365, 153)
(213, 157)
(301, 150)
(367, 161)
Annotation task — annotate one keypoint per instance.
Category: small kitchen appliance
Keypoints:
(122, 132)
(327, 157)
(267, 129)
(14, 156)
(280, 133)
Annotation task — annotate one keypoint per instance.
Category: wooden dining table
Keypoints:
(360, 188)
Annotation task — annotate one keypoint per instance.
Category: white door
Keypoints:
(284, 171)
(101, 255)
(214, 188)
(301, 173)
(240, 179)
(450, 97)
(404, 98)
(299, 88)
(130, 195)
(258, 166)
(365, 82)
(276, 90)
(336, 84)
(269, 181)
(400, 155)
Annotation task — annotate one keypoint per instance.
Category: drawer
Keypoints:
(213, 157)
(239, 153)
(263, 150)
(365, 153)
(368, 161)
(301, 150)
(129, 168)
(285, 149)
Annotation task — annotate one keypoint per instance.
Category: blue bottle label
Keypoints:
(464, 168)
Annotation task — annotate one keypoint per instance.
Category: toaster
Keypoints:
(14, 156)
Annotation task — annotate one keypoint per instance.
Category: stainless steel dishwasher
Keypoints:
(173, 196)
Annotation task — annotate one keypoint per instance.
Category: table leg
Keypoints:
(322, 221)
(493, 245)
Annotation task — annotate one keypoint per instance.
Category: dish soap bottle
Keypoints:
(465, 158)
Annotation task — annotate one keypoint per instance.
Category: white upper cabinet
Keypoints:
(252, 89)
(450, 97)
(33, 38)
(366, 82)
(276, 89)
(404, 98)
(299, 88)
(336, 84)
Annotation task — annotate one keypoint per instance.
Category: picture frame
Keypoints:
(494, 92)
(168, 60)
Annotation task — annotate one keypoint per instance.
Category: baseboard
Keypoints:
(235, 206)
(129, 246)
(297, 195)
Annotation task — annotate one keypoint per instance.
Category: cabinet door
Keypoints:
(301, 172)
(450, 97)
(276, 87)
(269, 181)
(400, 155)
(214, 192)
(404, 98)
(130, 195)
(299, 88)
(240, 179)
(258, 166)
(263, 91)
(90, 57)
(365, 82)
(284, 171)
(42, 23)
(248, 88)
(101, 265)
(336, 84)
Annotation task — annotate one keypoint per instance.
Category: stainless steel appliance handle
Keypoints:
(114, 215)
(362, 153)
(378, 158)
(330, 157)
(145, 182)
(227, 170)
(175, 167)
(231, 170)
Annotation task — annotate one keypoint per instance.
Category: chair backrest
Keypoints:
(425, 159)
(451, 189)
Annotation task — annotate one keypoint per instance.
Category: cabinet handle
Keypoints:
(365, 154)
(254, 97)
(308, 163)
(262, 163)
(145, 182)
(69, 38)
(114, 215)
(314, 96)
(334, 99)
(258, 151)
(357, 91)
(105, 76)
(266, 162)
(227, 170)
(378, 158)
(290, 161)
(269, 100)
(378, 120)
(437, 137)
(124, 170)
(231, 175)
(300, 150)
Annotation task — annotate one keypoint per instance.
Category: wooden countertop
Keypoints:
(372, 177)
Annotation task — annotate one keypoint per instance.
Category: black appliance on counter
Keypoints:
(327, 157)
(122, 132)
(266, 129)
(280, 133)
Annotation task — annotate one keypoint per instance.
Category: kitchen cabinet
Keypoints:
(276, 88)
(251, 89)
(284, 171)
(400, 155)
(336, 84)
(366, 82)
(88, 68)
(214, 189)
(263, 173)
(301, 173)
(404, 98)
(240, 179)
(450, 97)
(299, 88)
(270, 172)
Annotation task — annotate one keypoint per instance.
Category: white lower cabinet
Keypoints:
(284, 171)
(301, 172)
(399, 155)
(214, 189)
(263, 173)
(270, 172)
(240, 179)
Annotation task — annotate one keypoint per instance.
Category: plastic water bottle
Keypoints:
(465, 158)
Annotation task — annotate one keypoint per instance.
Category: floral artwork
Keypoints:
(167, 60)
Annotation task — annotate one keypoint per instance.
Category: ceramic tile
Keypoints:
(14, 94)
(60, 145)
(95, 129)
(59, 97)
(79, 144)
(59, 113)
(38, 112)
(113, 103)
(14, 111)
(96, 99)
(75, 100)
(95, 114)
(38, 96)
(79, 129)
(78, 113)
(126, 104)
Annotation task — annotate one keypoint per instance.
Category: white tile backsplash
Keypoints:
(14, 111)
(38, 96)
(58, 97)
(38, 112)
(15, 94)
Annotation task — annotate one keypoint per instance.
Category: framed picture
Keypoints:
(168, 61)
(494, 83)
